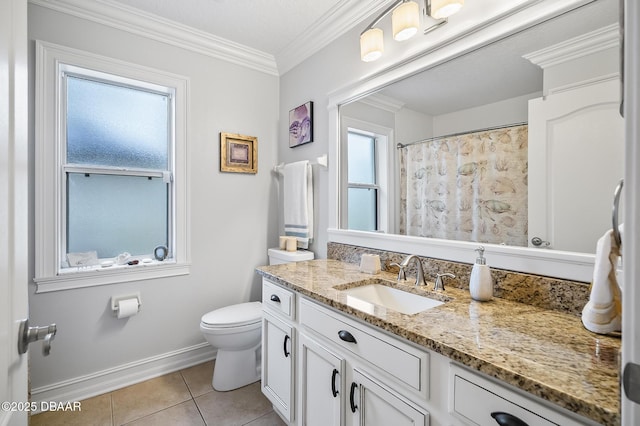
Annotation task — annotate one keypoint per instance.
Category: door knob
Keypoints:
(28, 335)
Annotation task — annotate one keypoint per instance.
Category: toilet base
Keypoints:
(235, 369)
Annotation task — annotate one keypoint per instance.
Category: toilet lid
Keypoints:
(234, 315)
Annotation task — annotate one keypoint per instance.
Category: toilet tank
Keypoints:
(277, 256)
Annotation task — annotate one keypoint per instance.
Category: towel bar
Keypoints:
(614, 215)
(322, 161)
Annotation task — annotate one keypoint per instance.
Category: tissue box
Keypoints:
(370, 263)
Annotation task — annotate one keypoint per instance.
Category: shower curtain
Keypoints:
(470, 187)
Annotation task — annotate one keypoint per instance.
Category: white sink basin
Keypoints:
(366, 297)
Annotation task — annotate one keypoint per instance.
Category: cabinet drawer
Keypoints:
(473, 398)
(406, 364)
(278, 299)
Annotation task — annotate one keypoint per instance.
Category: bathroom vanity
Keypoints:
(331, 358)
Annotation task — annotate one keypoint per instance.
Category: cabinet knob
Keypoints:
(346, 336)
(275, 298)
(506, 419)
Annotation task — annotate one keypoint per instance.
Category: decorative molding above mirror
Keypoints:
(496, 75)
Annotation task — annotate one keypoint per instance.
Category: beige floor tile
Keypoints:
(198, 378)
(94, 411)
(142, 399)
(234, 408)
(185, 414)
(271, 419)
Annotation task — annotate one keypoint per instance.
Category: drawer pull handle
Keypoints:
(352, 401)
(275, 298)
(506, 419)
(284, 346)
(346, 336)
(334, 391)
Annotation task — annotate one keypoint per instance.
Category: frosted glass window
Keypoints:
(362, 209)
(118, 165)
(361, 158)
(115, 214)
(362, 188)
(115, 125)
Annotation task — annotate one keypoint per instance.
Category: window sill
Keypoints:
(71, 279)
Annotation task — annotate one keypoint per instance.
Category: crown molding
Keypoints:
(333, 24)
(587, 44)
(383, 102)
(151, 26)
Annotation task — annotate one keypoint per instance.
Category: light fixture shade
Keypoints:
(444, 8)
(405, 20)
(371, 44)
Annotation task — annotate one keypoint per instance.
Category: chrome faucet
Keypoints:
(439, 285)
(420, 280)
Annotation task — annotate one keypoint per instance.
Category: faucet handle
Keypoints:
(439, 284)
(402, 275)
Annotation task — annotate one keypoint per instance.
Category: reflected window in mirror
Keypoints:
(362, 186)
(366, 175)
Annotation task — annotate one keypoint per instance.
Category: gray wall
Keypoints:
(232, 216)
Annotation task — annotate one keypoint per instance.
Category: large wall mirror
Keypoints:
(517, 143)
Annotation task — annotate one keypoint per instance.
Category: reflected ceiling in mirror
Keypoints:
(487, 88)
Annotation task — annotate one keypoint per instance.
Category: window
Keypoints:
(366, 176)
(118, 149)
(110, 152)
(362, 187)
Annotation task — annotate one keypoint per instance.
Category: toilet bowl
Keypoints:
(236, 332)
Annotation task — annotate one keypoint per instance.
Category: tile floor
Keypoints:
(181, 398)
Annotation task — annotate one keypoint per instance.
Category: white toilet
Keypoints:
(236, 332)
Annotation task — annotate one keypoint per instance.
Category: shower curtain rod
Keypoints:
(486, 129)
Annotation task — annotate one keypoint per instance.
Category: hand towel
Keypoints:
(298, 202)
(603, 313)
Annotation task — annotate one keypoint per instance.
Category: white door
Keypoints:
(376, 406)
(631, 238)
(13, 208)
(576, 147)
(278, 364)
(321, 379)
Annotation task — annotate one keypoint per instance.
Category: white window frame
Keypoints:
(385, 176)
(50, 176)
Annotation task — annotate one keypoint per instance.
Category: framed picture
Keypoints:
(301, 125)
(238, 153)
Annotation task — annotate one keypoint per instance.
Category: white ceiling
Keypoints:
(269, 26)
(498, 71)
(288, 30)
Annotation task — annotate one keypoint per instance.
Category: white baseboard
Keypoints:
(104, 381)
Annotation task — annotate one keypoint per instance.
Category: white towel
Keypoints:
(298, 202)
(603, 313)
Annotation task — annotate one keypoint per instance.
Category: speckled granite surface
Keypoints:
(543, 292)
(546, 353)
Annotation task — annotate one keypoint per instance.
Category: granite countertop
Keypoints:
(546, 353)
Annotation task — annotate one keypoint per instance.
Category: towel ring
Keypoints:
(614, 215)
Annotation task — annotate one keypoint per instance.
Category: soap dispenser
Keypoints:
(481, 282)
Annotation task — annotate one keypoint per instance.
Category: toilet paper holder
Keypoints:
(115, 300)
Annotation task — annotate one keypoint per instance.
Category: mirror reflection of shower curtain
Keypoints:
(470, 187)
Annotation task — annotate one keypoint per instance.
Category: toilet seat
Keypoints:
(242, 314)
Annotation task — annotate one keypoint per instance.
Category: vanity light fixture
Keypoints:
(405, 21)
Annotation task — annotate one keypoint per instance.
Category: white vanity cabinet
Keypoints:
(351, 374)
(476, 400)
(278, 348)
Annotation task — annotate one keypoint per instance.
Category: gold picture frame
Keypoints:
(238, 153)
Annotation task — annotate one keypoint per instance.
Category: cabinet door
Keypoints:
(321, 384)
(278, 363)
(368, 403)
